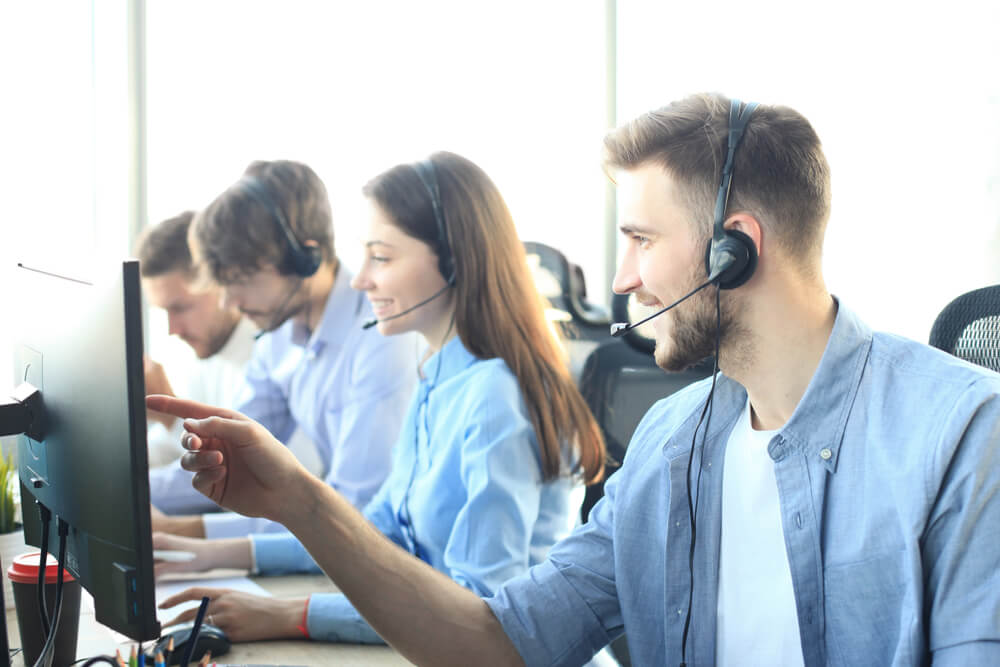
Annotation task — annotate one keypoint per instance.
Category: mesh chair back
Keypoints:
(969, 327)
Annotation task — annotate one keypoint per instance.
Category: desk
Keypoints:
(95, 638)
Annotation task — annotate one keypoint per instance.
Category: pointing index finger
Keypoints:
(186, 409)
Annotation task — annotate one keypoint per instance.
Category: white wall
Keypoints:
(63, 138)
(354, 88)
(904, 96)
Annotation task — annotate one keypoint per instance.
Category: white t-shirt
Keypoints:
(757, 621)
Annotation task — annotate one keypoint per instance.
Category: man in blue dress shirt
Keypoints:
(268, 242)
(843, 485)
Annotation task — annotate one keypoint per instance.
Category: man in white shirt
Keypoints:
(267, 243)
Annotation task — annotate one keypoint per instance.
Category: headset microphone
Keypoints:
(427, 173)
(725, 261)
(372, 322)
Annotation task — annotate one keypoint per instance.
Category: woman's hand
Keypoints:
(242, 616)
(208, 554)
(238, 464)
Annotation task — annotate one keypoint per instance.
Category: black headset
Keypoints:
(446, 261)
(731, 254)
(301, 260)
(730, 260)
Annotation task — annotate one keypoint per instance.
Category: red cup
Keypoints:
(23, 575)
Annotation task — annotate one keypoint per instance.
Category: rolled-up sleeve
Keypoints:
(566, 609)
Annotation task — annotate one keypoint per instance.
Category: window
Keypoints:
(906, 102)
(354, 88)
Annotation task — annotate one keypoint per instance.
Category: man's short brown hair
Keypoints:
(780, 175)
(238, 233)
(163, 248)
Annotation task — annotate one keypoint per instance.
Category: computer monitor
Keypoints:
(80, 344)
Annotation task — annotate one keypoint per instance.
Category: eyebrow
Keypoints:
(628, 228)
(369, 244)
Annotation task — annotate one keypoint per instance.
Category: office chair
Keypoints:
(620, 382)
(969, 327)
(584, 325)
(561, 282)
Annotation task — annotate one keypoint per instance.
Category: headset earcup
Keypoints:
(306, 259)
(740, 246)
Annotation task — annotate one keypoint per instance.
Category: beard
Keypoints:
(693, 328)
(218, 337)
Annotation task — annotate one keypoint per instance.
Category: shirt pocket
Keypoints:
(867, 614)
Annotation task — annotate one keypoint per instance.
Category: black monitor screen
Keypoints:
(80, 344)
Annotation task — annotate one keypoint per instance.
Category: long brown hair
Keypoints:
(498, 310)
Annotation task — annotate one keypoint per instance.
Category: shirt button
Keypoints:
(825, 454)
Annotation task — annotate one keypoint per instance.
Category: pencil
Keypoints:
(205, 659)
(170, 650)
(132, 660)
(159, 661)
(192, 641)
(119, 658)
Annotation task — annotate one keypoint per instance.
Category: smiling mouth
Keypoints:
(380, 305)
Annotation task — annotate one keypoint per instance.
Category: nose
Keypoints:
(362, 279)
(627, 278)
(174, 325)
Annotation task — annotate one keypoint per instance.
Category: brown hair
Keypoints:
(238, 233)
(780, 174)
(163, 248)
(498, 310)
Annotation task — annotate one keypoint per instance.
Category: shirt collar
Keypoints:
(447, 362)
(817, 425)
(339, 314)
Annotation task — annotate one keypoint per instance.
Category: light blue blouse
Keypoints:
(465, 493)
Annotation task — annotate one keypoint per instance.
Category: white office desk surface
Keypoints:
(95, 639)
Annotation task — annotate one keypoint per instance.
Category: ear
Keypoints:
(749, 225)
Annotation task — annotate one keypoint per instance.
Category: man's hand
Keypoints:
(238, 464)
(157, 383)
(242, 616)
(208, 554)
(186, 525)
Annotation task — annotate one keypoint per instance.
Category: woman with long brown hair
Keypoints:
(496, 435)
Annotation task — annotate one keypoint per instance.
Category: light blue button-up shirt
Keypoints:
(888, 476)
(346, 388)
(465, 493)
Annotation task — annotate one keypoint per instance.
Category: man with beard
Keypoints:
(266, 245)
(831, 498)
